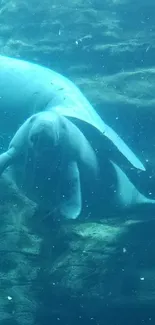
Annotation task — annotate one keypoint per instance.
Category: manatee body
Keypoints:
(52, 162)
(47, 156)
(27, 88)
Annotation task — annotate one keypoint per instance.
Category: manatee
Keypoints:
(27, 88)
(48, 134)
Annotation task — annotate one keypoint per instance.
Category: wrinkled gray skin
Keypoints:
(58, 185)
(27, 88)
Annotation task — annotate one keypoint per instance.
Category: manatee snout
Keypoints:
(43, 133)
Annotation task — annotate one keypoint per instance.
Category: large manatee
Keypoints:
(27, 88)
(49, 158)
(50, 137)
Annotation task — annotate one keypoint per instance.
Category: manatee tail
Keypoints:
(6, 159)
(127, 195)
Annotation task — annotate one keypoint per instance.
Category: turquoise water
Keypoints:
(107, 49)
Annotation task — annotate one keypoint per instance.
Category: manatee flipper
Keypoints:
(7, 159)
(126, 193)
(17, 146)
(87, 158)
(71, 204)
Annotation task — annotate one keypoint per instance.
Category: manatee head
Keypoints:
(45, 130)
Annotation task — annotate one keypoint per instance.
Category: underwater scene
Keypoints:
(77, 162)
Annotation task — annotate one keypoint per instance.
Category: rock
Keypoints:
(51, 268)
(18, 253)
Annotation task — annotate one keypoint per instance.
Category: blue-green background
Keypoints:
(108, 49)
